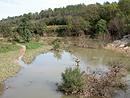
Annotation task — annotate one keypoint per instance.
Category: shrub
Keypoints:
(72, 81)
(75, 82)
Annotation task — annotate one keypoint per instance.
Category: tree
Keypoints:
(77, 25)
(40, 28)
(24, 31)
(117, 27)
(101, 30)
(109, 10)
(124, 5)
(5, 30)
(92, 13)
(101, 26)
(72, 20)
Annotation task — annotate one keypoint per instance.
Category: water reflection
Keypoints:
(97, 57)
(58, 54)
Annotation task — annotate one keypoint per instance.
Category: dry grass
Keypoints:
(7, 65)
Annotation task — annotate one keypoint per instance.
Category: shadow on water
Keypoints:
(38, 79)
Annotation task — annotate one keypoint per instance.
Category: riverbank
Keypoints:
(8, 66)
(124, 50)
(122, 45)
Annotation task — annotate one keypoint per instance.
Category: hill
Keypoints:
(108, 21)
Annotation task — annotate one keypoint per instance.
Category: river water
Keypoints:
(38, 79)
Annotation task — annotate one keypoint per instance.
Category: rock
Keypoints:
(126, 48)
(120, 45)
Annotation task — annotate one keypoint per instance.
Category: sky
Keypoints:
(19, 7)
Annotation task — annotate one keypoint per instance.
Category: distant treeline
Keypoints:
(104, 21)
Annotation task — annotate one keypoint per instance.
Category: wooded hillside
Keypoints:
(104, 21)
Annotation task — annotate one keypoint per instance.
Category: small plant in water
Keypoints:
(75, 82)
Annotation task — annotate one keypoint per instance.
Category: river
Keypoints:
(38, 79)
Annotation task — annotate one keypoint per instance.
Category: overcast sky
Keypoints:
(19, 7)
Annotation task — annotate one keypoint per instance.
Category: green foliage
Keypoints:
(72, 81)
(40, 28)
(73, 20)
(92, 13)
(33, 45)
(6, 30)
(7, 47)
(75, 82)
(24, 31)
(75, 25)
(125, 6)
(101, 27)
(109, 10)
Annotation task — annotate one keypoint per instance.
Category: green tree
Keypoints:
(124, 5)
(92, 13)
(24, 31)
(101, 26)
(40, 28)
(109, 10)
(77, 25)
(101, 30)
(5, 30)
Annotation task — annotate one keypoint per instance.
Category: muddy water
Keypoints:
(38, 79)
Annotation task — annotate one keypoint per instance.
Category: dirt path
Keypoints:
(22, 51)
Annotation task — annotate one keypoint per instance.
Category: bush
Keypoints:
(72, 81)
(75, 82)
